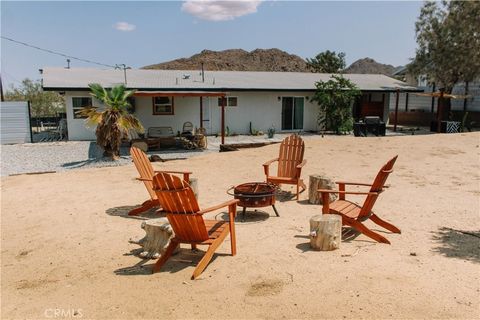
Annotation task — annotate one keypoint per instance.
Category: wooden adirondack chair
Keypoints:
(145, 169)
(290, 163)
(187, 221)
(353, 214)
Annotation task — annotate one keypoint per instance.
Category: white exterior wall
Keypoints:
(15, 122)
(76, 127)
(263, 109)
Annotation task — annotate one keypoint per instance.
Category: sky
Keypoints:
(144, 33)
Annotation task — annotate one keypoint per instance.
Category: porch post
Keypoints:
(201, 112)
(433, 98)
(465, 99)
(396, 112)
(223, 119)
(440, 109)
(406, 101)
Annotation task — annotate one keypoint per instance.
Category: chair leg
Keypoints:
(363, 229)
(147, 205)
(302, 185)
(384, 224)
(208, 255)
(168, 253)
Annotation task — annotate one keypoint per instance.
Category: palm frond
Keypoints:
(128, 121)
(98, 91)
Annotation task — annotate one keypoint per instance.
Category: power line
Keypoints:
(59, 53)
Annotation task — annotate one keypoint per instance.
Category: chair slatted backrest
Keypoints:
(187, 127)
(144, 168)
(291, 153)
(377, 186)
(178, 200)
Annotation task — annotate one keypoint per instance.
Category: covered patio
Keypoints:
(200, 95)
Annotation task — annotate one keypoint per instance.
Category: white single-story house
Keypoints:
(173, 97)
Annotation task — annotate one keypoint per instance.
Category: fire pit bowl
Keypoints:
(254, 195)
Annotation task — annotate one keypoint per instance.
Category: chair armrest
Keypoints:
(270, 162)
(324, 193)
(354, 183)
(177, 172)
(346, 192)
(222, 205)
(267, 164)
(304, 162)
(358, 184)
(144, 179)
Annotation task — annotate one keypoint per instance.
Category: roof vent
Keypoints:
(186, 76)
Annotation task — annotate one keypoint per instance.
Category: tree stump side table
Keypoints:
(325, 232)
(319, 181)
(158, 234)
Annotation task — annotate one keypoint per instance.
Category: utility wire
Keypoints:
(59, 53)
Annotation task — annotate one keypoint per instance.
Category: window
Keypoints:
(229, 101)
(162, 105)
(78, 103)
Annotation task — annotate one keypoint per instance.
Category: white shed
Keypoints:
(14, 122)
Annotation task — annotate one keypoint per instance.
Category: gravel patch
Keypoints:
(68, 155)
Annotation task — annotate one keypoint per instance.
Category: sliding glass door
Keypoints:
(292, 113)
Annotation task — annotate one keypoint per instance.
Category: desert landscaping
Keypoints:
(65, 240)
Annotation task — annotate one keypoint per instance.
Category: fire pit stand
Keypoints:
(254, 195)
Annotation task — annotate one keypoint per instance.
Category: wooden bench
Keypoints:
(156, 137)
(164, 135)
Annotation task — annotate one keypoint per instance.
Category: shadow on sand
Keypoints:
(123, 211)
(460, 244)
(183, 259)
(348, 235)
(251, 216)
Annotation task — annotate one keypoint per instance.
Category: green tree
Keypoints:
(42, 103)
(327, 62)
(448, 39)
(335, 98)
(113, 120)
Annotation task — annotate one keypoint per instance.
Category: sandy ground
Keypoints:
(65, 250)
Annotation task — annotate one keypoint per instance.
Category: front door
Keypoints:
(292, 113)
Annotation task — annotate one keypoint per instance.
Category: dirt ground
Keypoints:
(65, 250)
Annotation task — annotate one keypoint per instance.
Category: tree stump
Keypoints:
(194, 185)
(158, 234)
(140, 145)
(325, 232)
(318, 181)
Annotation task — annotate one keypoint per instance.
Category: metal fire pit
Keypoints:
(254, 195)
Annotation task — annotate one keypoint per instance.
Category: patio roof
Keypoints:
(179, 94)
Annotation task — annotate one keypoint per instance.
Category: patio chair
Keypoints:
(60, 132)
(145, 169)
(187, 128)
(188, 223)
(353, 214)
(290, 163)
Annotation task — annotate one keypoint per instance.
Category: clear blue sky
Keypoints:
(152, 32)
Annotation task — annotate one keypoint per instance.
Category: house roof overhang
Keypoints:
(179, 94)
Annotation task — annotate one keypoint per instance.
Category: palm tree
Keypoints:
(113, 121)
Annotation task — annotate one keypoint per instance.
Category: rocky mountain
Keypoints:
(368, 65)
(261, 60)
(238, 60)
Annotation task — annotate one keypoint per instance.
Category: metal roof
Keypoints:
(62, 79)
